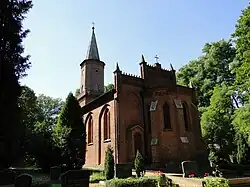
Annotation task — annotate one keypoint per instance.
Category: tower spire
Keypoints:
(92, 53)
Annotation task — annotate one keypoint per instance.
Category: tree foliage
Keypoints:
(139, 164)
(209, 70)
(109, 164)
(38, 116)
(13, 66)
(70, 133)
(77, 92)
(217, 124)
(108, 87)
(242, 41)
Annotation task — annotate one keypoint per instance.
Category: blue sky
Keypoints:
(175, 30)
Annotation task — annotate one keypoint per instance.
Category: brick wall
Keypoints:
(95, 154)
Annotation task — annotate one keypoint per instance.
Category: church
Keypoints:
(149, 113)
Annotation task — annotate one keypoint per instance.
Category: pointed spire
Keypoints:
(142, 59)
(92, 53)
(117, 69)
(172, 68)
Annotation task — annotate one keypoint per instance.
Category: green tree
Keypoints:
(109, 164)
(216, 121)
(28, 115)
(108, 87)
(70, 133)
(241, 36)
(38, 116)
(209, 70)
(13, 66)
(242, 147)
(77, 92)
(49, 109)
(43, 147)
(29, 108)
(139, 164)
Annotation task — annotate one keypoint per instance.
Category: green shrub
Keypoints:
(162, 180)
(96, 177)
(139, 164)
(132, 182)
(109, 164)
(216, 181)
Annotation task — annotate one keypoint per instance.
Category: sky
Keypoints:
(175, 30)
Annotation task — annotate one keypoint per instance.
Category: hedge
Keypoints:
(216, 181)
(96, 177)
(132, 182)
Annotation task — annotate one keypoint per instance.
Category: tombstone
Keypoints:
(189, 167)
(123, 170)
(73, 178)
(23, 180)
(7, 177)
(55, 172)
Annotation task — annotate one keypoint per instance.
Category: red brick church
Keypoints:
(149, 113)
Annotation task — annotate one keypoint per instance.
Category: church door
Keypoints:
(137, 143)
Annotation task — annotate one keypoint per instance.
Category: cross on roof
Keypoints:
(156, 59)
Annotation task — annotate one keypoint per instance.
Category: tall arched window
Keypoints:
(90, 130)
(106, 124)
(166, 113)
(185, 115)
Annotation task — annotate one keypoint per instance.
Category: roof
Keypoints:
(92, 53)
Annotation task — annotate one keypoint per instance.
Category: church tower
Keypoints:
(92, 73)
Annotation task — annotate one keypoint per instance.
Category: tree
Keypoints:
(241, 36)
(77, 92)
(70, 133)
(13, 66)
(139, 164)
(108, 87)
(38, 116)
(28, 115)
(109, 164)
(209, 70)
(216, 121)
(43, 147)
(28, 105)
(242, 147)
(49, 109)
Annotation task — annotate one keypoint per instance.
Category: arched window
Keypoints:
(90, 130)
(106, 124)
(185, 115)
(166, 113)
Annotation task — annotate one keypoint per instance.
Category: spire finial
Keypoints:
(93, 26)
